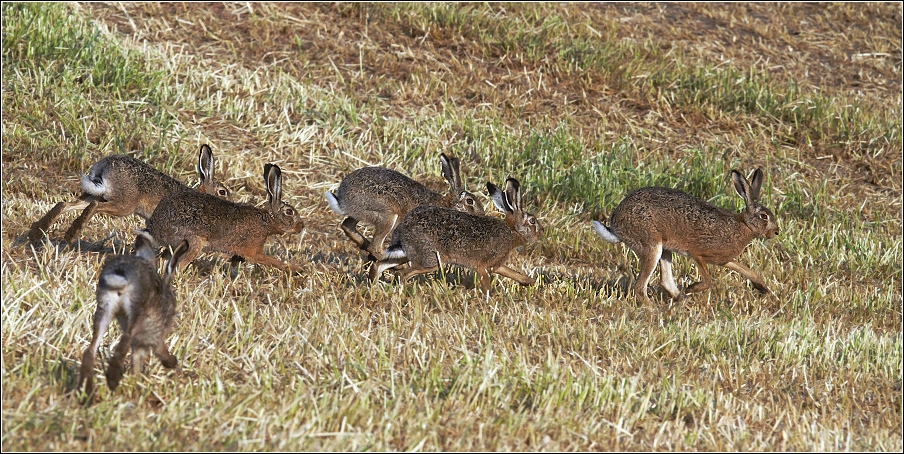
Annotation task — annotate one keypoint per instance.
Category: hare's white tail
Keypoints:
(604, 233)
(94, 182)
(394, 253)
(334, 203)
(116, 280)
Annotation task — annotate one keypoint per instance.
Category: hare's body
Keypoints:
(382, 197)
(655, 222)
(480, 242)
(130, 290)
(121, 185)
(223, 226)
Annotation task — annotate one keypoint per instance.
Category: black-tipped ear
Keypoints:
(205, 163)
(742, 187)
(173, 263)
(273, 179)
(513, 193)
(451, 173)
(756, 182)
(498, 198)
(145, 245)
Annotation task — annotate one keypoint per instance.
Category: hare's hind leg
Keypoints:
(512, 274)
(43, 224)
(350, 227)
(666, 278)
(115, 368)
(751, 275)
(168, 359)
(647, 257)
(415, 270)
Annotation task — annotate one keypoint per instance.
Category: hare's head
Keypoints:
(509, 202)
(284, 215)
(208, 183)
(756, 216)
(463, 200)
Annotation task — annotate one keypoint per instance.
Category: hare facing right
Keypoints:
(120, 185)
(130, 290)
(224, 226)
(381, 197)
(429, 234)
(654, 222)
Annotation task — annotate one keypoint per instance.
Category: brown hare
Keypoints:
(654, 222)
(120, 185)
(130, 290)
(224, 226)
(429, 234)
(381, 197)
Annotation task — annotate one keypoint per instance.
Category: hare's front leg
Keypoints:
(381, 231)
(705, 279)
(751, 275)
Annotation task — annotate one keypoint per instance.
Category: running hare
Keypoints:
(381, 197)
(656, 221)
(224, 226)
(143, 303)
(429, 234)
(120, 185)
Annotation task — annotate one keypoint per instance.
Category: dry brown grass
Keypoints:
(582, 102)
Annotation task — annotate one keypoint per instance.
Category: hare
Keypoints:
(654, 222)
(143, 303)
(120, 185)
(224, 226)
(429, 234)
(381, 197)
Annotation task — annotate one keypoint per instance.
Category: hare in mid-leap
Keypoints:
(429, 234)
(654, 222)
(381, 197)
(223, 226)
(120, 185)
(130, 290)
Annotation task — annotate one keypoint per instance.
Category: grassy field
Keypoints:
(582, 103)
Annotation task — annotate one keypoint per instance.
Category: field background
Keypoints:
(582, 103)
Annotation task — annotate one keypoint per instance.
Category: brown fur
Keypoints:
(130, 290)
(131, 186)
(654, 222)
(382, 197)
(474, 241)
(224, 226)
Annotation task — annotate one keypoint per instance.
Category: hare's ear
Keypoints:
(499, 198)
(513, 193)
(273, 177)
(742, 187)
(450, 169)
(756, 182)
(176, 256)
(145, 245)
(205, 165)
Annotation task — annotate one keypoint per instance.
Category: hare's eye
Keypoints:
(222, 192)
(469, 201)
(289, 212)
(531, 221)
(764, 216)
